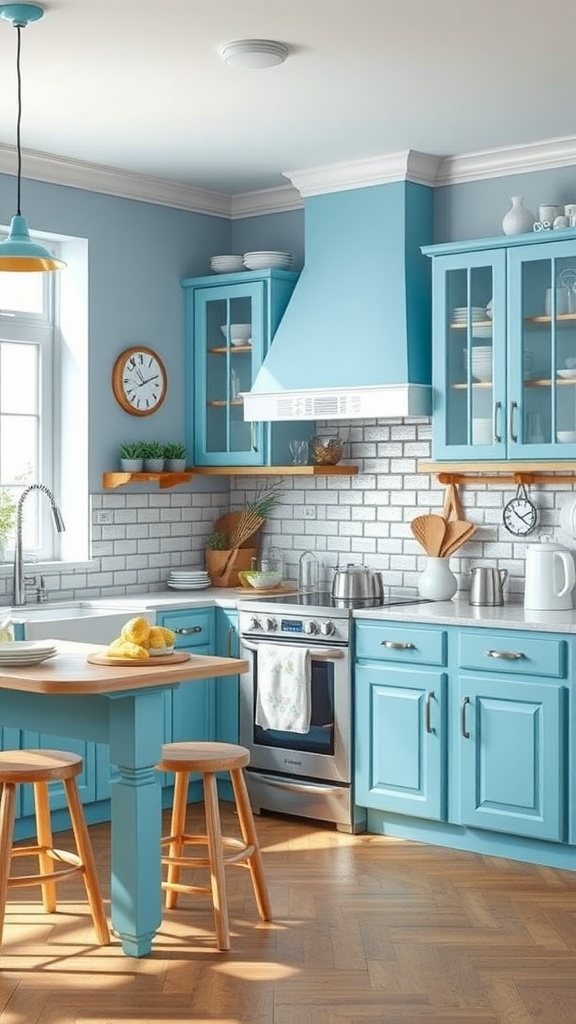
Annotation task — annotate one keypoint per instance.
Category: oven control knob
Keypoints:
(311, 627)
(254, 622)
(327, 628)
(270, 625)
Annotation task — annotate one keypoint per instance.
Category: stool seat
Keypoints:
(206, 759)
(39, 768)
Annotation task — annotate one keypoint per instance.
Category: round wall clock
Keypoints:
(520, 515)
(139, 380)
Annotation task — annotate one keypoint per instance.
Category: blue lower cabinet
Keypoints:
(190, 708)
(400, 739)
(512, 754)
(227, 687)
(86, 780)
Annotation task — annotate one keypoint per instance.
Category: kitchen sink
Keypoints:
(78, 620)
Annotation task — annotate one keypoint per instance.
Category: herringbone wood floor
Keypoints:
(366, 930)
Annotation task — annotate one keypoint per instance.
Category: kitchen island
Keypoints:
(121, 706)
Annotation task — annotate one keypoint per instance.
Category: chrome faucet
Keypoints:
(19, 583)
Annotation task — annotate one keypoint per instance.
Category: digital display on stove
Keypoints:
(291, 625)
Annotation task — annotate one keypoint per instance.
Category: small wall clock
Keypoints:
(520, 515)
(139, 380)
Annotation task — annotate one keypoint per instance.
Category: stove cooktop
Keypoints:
(323, 600)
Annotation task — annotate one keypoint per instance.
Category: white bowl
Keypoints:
(566, 436)
(158, 652)
(239, 333)
(262, 580)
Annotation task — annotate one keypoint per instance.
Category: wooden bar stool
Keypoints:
(207, 759)
(39, 767)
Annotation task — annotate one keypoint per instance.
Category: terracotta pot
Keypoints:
(222, 566)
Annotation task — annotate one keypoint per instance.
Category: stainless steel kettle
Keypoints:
(487, 585)
(357, 583)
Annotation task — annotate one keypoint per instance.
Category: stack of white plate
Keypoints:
(268, 260)
(226, 264)
(25, 652)
(188, 579)
(460, 314)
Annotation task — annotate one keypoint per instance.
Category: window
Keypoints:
(28, 432)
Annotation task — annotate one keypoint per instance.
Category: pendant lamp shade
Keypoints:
(19, 252)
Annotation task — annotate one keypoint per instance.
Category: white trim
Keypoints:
(406, 165)
(383, 401)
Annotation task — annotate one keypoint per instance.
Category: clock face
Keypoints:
(520, 516)
(139, 381)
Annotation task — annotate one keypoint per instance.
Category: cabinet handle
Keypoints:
(231, 635)
(429, 698)
(396, 645)
(506, 655)
(496, 421)
(253, 436)
(463, 730)
(511, 423)
(187, 630)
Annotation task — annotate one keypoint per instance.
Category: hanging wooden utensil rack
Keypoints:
(502, 473)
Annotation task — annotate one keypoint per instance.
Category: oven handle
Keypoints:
(295, 787)
(322, 654)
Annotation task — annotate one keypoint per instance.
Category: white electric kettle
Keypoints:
(550, 576)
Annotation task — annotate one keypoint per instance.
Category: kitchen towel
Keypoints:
(283, 699)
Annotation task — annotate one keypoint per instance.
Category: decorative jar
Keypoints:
(437, 582)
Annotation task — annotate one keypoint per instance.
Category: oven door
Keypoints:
(324, 751)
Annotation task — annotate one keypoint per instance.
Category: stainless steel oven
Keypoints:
(307, 774)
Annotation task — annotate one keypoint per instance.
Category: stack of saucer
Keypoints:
(226, 264)
(188, 579)
(25, 652)
(460, 314)
(268, 260)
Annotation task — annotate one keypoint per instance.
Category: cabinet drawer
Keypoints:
(392, 641)
(513, 653)
(192, 628)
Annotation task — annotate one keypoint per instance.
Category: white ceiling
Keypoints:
(139, 85)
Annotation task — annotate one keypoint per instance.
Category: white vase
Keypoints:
(518, 220)
(437, 582)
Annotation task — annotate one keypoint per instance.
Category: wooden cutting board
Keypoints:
(264, 591)
(161, 659)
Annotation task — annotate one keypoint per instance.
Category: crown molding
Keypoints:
(497, 163)
(111, 181)
(270, 200)
(406, 165)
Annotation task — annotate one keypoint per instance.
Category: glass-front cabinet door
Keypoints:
(228, 331)
(469, 356)
(505, 348)
(542, 349)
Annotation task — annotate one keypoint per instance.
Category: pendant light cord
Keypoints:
(19, 118)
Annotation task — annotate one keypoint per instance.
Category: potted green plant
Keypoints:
(7, 519)
(153, 452)
(132, 456)
(175, 457)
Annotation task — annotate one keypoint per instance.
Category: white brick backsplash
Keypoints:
(362, 518)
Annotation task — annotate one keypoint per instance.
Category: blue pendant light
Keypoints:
(18, 252)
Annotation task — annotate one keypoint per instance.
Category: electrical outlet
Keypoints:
(309, 512)
(102, 518)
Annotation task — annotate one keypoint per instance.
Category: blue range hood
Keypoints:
(355, 340)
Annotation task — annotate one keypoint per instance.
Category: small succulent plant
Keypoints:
(132, 450)
(174, 450)
(153, 450)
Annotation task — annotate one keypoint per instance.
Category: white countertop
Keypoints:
(459, 612)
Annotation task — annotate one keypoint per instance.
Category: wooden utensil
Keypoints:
(458, 531)
(452, 505)
(429, 531)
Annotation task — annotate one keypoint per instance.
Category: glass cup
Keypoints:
(299, 452)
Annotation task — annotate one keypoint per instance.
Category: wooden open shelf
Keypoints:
(120, 479)
(502, 472)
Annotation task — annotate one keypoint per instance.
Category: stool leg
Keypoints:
(7, 804)
(84, 847)
(44, 833)
(177, 831)
(250, 837)
(215, 853)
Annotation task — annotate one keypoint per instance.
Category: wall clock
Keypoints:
(139, 380)
(520, 515)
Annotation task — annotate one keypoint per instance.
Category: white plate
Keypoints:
(29, 659)
(567, 374)
(37, 646)
(187, 586)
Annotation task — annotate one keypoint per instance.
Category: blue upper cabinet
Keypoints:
(504, 349)
(230, 323)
